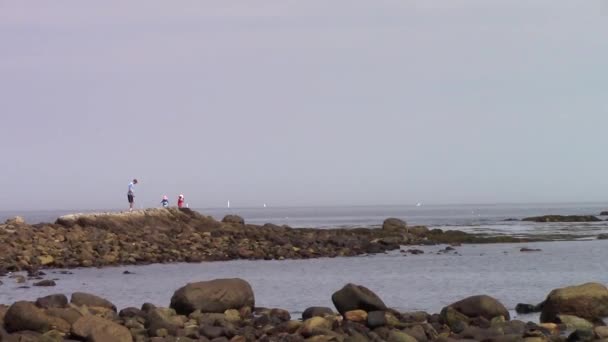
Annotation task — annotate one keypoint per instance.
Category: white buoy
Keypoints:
(419, 204)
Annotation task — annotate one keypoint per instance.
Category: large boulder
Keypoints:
(81, 298)
(233, 219)
(97, 329)
(589, 301)
(393, 223)
(52, 301)
(70, 315)
(481, 306)
(27, 316)
(214, 296)
(356, 297)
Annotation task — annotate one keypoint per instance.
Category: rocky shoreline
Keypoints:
(224, 310)
(183, 235)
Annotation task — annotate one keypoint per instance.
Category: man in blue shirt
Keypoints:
(131, 194)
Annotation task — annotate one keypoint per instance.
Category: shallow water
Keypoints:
(421, 282)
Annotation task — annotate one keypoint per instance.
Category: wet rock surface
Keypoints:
(183, 235)
(476, 318)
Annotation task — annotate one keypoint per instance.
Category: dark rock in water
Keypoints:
(233, 219)
(47, 282)
(35, 273)
(81, 298)
(562, 218)
(445, 250)
(481, 306)
(393, 223)
(415, 251)
(23, 287)
(510, 220)
(526, 249)
(604, 213)
(376, 319)
(127, 272)
(602, 237)
(522, 308)
(26, 316)
(316, 311)
(374, 248)
(588, 301)
(52, 301)
(216, 295)
(356, 297)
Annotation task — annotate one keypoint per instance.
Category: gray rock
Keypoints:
(233, 219)
(481, 306)
(393, 223)
(376, 319)
(81, 298)
(588, 301)
(46, 282)
(27, 316)
(356, 297)
(216, 295)
(52, 301)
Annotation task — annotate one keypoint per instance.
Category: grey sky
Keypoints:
(302, 102)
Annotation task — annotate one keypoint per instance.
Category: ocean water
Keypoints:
(488, 219)
(413, 282)
(422, 282)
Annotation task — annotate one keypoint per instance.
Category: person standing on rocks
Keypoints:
(165, 202)
(131, 194)
(180, 201)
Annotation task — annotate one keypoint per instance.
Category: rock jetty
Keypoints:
(562, 218)
(224, 310)
(183, 235)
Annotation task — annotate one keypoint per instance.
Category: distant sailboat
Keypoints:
(264, 205)
(228, 206)
(419, 204)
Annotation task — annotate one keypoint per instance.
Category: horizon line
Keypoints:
(248, 207)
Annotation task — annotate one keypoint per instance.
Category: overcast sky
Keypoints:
(309, 102)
